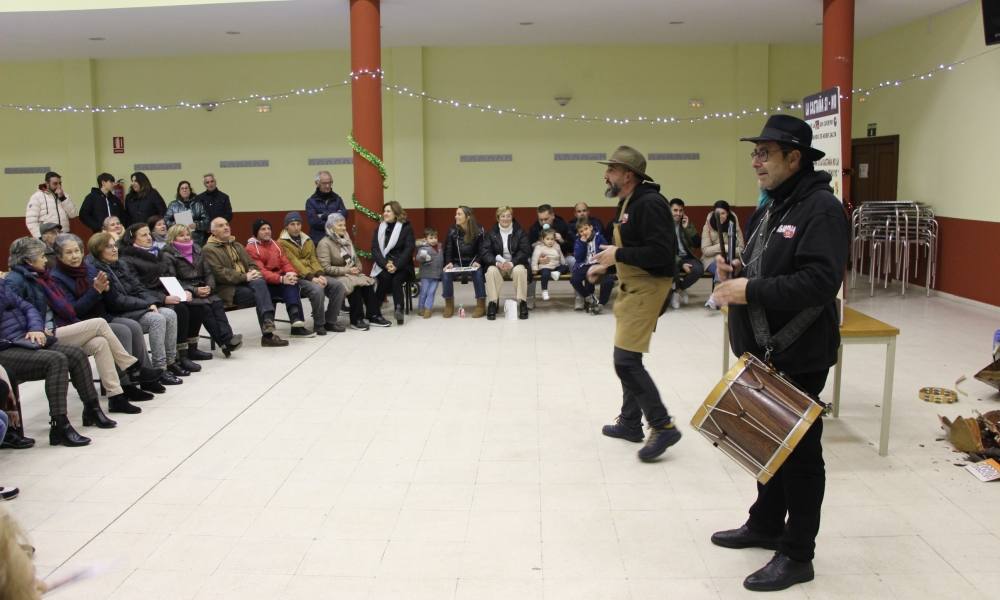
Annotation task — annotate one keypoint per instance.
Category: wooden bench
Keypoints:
(857, 328)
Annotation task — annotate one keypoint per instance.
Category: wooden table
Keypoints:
(857, 328)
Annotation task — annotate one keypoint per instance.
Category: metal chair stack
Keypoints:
(889, 237)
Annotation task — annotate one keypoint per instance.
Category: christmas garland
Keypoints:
(361, 208)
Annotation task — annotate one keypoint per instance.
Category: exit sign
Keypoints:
(118, 144)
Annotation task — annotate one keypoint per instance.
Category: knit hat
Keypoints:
(45, 227)
(292, 216)
(258, 224)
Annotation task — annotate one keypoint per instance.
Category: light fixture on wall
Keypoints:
(209, 106)
(563, 99)
(263, 108)
(696, 103)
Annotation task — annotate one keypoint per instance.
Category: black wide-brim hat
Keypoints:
(793, 131)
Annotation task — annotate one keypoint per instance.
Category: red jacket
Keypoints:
(271, 261)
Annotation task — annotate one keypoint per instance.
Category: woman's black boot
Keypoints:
(93, 415)
(61, 433)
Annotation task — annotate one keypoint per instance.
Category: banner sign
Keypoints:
(822, 112)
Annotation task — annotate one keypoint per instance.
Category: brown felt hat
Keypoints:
(631, 159)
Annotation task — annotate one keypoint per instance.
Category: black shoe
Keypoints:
(234, 344)
(335, 328)
(188, 364)
(273, 341)
(359, 325)
(7, 493)
(147, 374)
(623, 431)
(16, 441)
(779, 574)
(399, 316)
(120, 404)
(320, 331)
(177, 369)
(196, 354)
(153, 386)
(522, 310)
(134, 394)
(379, 321)
(744, 537)
(61, 433)
(660, 438)
(169, 378)
(491, 311)
(93, 415)
(302, 332)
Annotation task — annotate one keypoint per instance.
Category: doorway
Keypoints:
(874, 169)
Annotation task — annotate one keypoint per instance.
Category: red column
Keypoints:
(838, 70)
(366, 110)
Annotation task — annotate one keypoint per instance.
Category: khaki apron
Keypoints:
(640, 301)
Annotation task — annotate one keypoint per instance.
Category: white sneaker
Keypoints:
(675, 300)
(545, 294)
(710, 303)
(555, 275)
(684, 297)
(578, 303)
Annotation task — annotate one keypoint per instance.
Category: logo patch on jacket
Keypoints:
(624, 219)
(787, 230)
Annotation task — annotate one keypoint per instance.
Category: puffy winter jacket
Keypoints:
(270, 259)
(17, 315)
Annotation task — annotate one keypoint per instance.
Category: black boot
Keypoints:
(134, 394)
(153, 386)
(522, 310)
(176, 369)
(120, 404)
(61, 433)
(232, 345)
(184, 360)
(491, 311)
(16, 441)
(168, 377)
(194, 353)
(93, 415)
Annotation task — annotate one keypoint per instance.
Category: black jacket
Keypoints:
(138, 208)
(126, 296)
(647, 231)
(96, 207)
(401, 254)
(191, 275)
(803, 266)
(492, 246)
(562, 228)
(460, 253)
(216, 204)
(148, 268)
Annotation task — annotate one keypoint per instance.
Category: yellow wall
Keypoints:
(422, 141)
(948, 126)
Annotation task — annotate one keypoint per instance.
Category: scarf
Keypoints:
(346, 248)
(505, 240)
(152, 249)
(62, 308)
(186, 250)
(386, 245)
(233, 254)
(79, 275)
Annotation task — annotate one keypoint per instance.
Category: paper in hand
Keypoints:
(183, 218)
(174, 287)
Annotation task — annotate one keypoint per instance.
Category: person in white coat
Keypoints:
(49, 205)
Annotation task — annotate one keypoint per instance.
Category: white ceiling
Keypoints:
(293, 25)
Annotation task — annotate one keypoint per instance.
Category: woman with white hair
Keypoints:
(337, 256)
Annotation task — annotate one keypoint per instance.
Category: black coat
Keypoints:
(147, 267)
(138, 208)
(191, 275)
(96, 207)
(459, 252)
(802, 267)
(126, 296)
(647, 231)
(520, 248)
(562, 228)
(216, 204)
(401, 254)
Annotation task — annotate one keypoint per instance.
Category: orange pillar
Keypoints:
(366, 111)
(838, 70)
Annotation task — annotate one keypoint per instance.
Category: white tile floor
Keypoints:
(463, 459)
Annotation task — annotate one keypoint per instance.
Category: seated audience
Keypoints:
(27, 354)
(586, 273)
(548, 261)
(507, 252)
(137, 251)
(582, 211)
(301, 252)
(30, 279)
(186, 201)
(689, 268)
(113, 226)
(715, 235)
(142, 200)
(184, 261)
(240, 283)
(85, 287)
(158, 230)
(547, 219)
(392, 253)
(323, 203)
(100, 203)
(337, 256)
(126, 297)
(279, 274)
(462, 248)
(430, 259)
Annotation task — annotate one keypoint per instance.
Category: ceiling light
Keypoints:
(676, 22)
(96, 39)
(526, 23)
(696, 103)
(232, 33)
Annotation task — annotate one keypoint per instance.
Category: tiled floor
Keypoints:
(463, 459)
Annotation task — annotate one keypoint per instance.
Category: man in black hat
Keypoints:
(643, 252)
(782, 296)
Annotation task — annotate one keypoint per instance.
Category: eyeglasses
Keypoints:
(759, 155)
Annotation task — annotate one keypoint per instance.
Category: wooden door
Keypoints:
(874, 169)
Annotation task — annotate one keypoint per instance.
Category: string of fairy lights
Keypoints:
(860, 94)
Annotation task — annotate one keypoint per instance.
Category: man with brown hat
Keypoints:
(643, 252)
(782, 296)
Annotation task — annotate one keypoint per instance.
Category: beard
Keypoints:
(612, 191)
